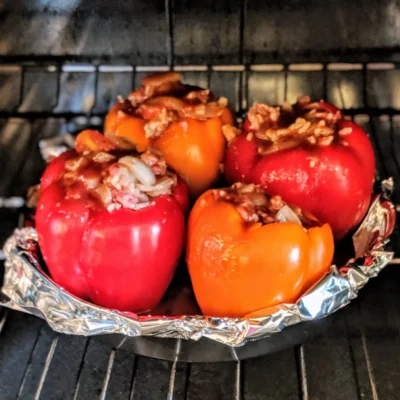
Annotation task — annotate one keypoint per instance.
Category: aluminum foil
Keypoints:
(28, 288)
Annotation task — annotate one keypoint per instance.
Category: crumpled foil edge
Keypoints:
(27, 288)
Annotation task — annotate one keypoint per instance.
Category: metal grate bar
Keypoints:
(4, 314)
(20, 164)
(152, 373)
(46, 368)
(245, 98)
(378, 146)
(78, 377)
(187, 381)
(108, 375)
(119, 381)
(22, 386)
(345, 55)
(58, 88)
(325, 82)
(133, 378)
(69, 115)
(245, 74)
(20, 343)
(376, 329)
(133, 77)
(364, 86)
(394, 153)
(302, 373)
(352, 354)
(170, 395)
(170, 39)
(369, 367)
(67, 66)
(95, 91)
(21, 88)
(242, 23)
(238, 381)
(286, 75)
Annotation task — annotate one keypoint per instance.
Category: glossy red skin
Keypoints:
(55, 169)
(122, 259)
(337, 189)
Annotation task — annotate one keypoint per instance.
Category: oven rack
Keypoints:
(44, 96)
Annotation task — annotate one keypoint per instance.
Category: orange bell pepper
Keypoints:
(241, 256)
(91, 140)
(124, 125)
(182, 122)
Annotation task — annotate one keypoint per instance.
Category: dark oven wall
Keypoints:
(205, 32)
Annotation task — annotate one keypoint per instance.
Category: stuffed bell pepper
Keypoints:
(247, 251)
(310, 155)
(111, 223)
(182, 121)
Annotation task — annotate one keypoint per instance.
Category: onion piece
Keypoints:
(246, 188)
(103, 157)
(121, 142)
(162, 186)
(140, 170)
(202, 111)
(91, 181)
(258, 199)
(104, 194)
(156, 193)
(74, 164)
(286, 214)
(139, 206)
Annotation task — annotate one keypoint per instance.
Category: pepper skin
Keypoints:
(239, 266)
(117, 257)
(326, 169)
(183, 122)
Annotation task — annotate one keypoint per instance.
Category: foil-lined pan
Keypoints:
(27, 287)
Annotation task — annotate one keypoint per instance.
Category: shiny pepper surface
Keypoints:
(247, 252)
(310, 155)
(110, 229)
(183, 122)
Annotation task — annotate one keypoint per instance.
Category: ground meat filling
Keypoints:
(288, 126)
(116, 180)
(164, 99)
(254, 205)
(230, 132)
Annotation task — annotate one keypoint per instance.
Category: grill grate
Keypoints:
(46, 95)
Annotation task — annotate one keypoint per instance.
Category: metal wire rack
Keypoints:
(43, 96)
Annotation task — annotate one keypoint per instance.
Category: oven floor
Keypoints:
(358, 357)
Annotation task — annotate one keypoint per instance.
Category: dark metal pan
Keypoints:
(206, 350)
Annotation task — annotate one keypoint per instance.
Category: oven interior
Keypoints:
(62, 65)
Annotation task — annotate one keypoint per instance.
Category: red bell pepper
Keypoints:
(111, 226)
(310, 155)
